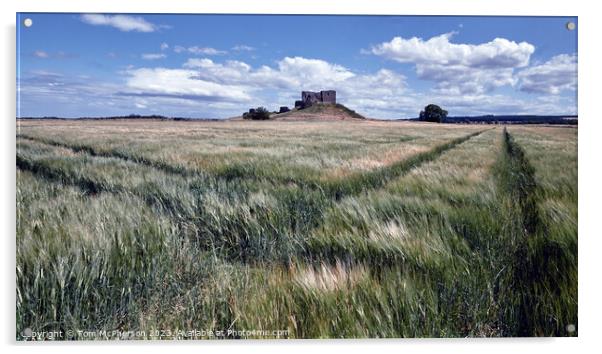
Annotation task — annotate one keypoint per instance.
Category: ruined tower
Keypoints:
(309, 98)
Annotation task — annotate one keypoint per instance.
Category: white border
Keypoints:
(589, 177)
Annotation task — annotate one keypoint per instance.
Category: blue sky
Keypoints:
(217, 66)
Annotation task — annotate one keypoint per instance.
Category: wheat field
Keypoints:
(300, 229)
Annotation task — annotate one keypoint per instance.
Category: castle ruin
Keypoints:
(309, 98)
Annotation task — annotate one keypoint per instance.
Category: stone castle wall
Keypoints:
(329, 96)
(309, 98)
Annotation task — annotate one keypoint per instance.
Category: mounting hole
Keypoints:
(570, 328)
(27, 22)
(570, 25)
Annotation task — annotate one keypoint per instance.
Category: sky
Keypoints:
(218, 66)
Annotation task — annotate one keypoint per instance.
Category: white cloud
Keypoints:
(439, 50)
(291, 72)
(153, 56)
(164, 46)
(205, 88)
(40, 54)
(459, 68)
(556, 75)
(231, 81)
(179, 83)
(121, 22)
(199, 50)
(228, 73)
(315, 71)
(461, 80)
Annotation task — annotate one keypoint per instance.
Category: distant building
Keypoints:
(309, 98)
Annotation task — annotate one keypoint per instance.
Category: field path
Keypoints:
(378, 178)
(90, 150)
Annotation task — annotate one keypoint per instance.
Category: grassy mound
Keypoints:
(323, 111)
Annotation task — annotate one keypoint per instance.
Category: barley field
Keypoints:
(300, 229)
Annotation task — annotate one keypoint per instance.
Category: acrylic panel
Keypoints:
(196, 176)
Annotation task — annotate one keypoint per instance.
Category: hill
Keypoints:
(323, 111)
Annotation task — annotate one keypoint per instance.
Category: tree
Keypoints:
(433, 113)
(259, 113)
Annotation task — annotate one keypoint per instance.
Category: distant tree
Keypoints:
(259, 113)
(433, 113)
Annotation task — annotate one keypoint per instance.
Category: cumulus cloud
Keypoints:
(439, 50)
(182, 83)
(461, 80)
(232, 81)
(385, 93)
(206, 88)
(459, 68)
(199, 50)
(229, 72)
(123, 23)
(552, 77)
(316, 71)
(291, 72)
(153, 56)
